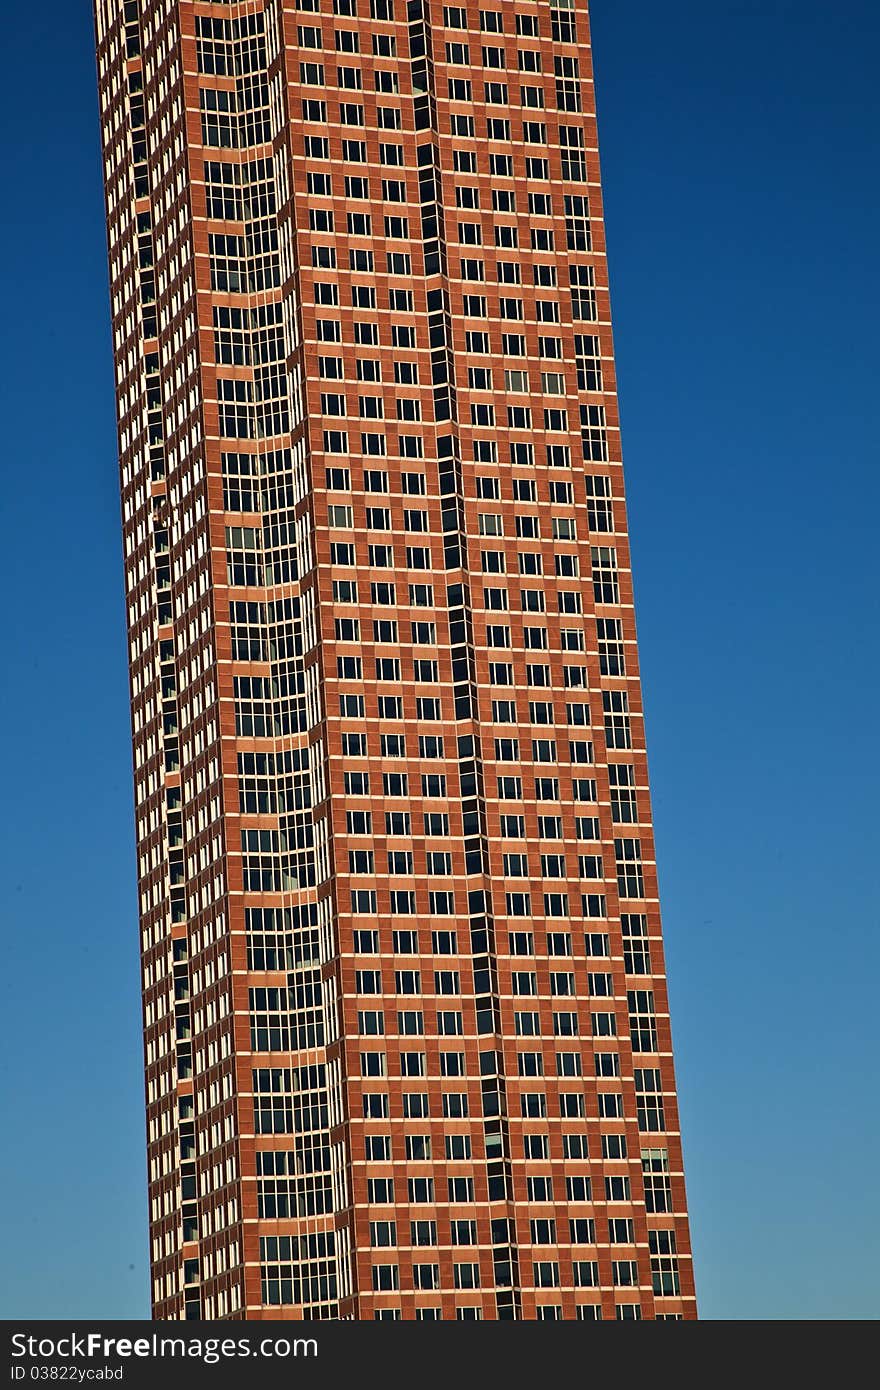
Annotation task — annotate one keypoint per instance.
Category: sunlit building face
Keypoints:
(407, 1037)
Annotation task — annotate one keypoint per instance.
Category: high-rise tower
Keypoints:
(406, 1028)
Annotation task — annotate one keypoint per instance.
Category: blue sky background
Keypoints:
(739, 144)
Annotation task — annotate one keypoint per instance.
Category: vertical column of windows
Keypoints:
(283, 837)
(175, 1226)
(561, 233)
(482, 943)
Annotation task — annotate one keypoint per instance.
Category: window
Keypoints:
(219, 119)
(578, 1188)
(625, 1273)
(614, 1146)
(615, 706)
(630, 876)
(574, 165)
(642, 1020)
(458, 1148)
(536, 1146)
(423, 1233)
(604, 573)
(383, 1233)
(664, 1263)
(518, 904)
(655, 1170)
(418, 1147)
(568, 1064)
(521, 943)
(377, 1147)
(586, 1275)
(649, 1100)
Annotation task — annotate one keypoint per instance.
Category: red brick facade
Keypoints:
(406, 1026)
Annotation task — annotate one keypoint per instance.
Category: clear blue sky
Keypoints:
(739, 142)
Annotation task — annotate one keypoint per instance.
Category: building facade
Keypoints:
(407, 1038)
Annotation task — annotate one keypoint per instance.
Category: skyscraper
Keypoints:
(407, 1039)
